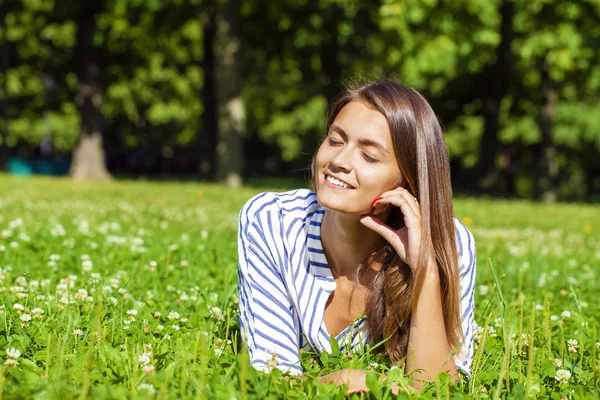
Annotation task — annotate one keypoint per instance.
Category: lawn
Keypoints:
(128, 290)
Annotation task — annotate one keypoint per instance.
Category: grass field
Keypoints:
(128, 290)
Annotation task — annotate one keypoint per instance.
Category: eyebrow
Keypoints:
(363, 142)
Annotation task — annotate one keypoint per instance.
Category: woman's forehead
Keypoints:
(361, 122)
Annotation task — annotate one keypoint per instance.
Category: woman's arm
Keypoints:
(428, 350)
(266, 317)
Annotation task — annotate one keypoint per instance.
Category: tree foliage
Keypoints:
(516, 92)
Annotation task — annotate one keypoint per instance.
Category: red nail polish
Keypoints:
(375, 201)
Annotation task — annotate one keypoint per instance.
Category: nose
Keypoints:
(342, 160)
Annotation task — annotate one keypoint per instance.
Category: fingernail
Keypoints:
(375, 201)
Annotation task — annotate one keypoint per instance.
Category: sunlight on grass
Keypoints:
(128, 289)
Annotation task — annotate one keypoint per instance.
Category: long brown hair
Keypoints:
(422, 157)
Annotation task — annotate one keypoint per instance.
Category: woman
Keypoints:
(377, 237)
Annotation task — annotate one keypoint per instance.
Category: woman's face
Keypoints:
(356, 163)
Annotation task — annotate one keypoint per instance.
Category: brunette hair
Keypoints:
(422, 157)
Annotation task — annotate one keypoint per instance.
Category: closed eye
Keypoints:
(369, 159)
(333, 142)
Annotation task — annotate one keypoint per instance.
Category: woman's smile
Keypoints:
(337, 183)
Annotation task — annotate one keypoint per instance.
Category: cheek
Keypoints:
(380, 179)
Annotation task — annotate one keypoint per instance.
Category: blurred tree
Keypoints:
(232, 112)
(209, 136)
(496, 78)
(5, 99)
(88, 157)
(37, 41)
(557, 45)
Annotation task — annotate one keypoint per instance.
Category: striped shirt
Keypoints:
(285, 282)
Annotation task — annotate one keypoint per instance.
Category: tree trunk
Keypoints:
(548, 161)
(5, 64)
(329, 54)
(496, 83)
(230, 101)
(210, 126)
(88, 158)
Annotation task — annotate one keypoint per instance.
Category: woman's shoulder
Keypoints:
(299, 201)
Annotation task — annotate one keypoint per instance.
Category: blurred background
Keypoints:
(238, 91)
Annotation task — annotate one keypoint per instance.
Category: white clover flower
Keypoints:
(557, 362)
(160, 327)
(492, 331)
(213, 297)
(148, 369)
(95, 276)
(145, 358)
(484, 289)
(37, 312)
(11, 362)
(87, 266)
(374, 365)
(112, 300)
(173, 315)
(553, 318)
(13, 353)
(146, 386)
(573, 344)
(18, 307)
(216, 313)
(25, 317)
(132, 312)
(176, 327)
(78, 333)
(167, 337)
(539, 307)
(184, 320)
(562, 376)
(566, 314)
(218, 352)
(81, 295)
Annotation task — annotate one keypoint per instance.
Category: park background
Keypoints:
(237, 90)
(122, 282)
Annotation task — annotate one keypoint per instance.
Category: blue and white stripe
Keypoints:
(285, 281)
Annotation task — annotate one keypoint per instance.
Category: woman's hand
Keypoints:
(355, 379)
(406, 240)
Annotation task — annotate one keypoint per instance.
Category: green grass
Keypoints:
(87, 254)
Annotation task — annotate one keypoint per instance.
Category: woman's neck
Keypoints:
(346, 242)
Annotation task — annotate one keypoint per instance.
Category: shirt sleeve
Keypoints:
(266, 313)
(467, 256)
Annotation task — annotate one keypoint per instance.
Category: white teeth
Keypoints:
(336, 182)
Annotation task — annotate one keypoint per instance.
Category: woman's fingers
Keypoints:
(401, 198)
(406, 240)
(398, 239)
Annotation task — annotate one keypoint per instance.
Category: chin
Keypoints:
(341, 202)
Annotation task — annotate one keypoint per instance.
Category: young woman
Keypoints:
(373, 253)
